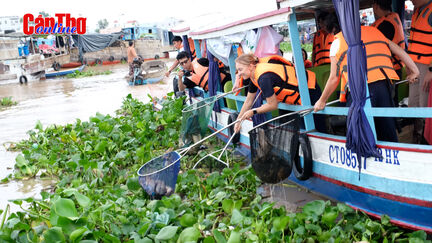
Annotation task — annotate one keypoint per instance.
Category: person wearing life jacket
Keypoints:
(380, 73)
(321, 42)
(390, 25)
(276, 78)
(420, 50)
(195, 73)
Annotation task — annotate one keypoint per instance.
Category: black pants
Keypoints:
(380, 95)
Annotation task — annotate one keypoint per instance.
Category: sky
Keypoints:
(144, 11)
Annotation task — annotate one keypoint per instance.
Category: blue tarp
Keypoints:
(360, 138)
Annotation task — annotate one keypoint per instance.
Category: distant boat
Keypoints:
(63, 72)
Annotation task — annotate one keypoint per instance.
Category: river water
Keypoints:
(59, 101)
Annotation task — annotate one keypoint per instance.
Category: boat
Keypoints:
(398, 185)
(64, 71)
(148, 72)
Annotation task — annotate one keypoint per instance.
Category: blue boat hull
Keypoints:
(64, 72)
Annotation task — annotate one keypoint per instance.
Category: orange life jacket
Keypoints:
(420, 40)
(378, 55)
(192, 48)
(399, 36)
(199, 75)
(287, 73)
(321, 47)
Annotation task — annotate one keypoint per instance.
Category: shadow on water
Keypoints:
(60, 101)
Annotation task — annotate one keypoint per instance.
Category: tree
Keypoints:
(44, 14)
(102, 24)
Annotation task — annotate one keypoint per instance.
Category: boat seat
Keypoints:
(231, 104)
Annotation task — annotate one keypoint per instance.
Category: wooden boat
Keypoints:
(399, 185)
(64, 71)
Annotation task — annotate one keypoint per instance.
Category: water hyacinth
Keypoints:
(97, 197)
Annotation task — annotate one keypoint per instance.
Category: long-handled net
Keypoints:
(274, 145)
(196, 117)
(158, 176)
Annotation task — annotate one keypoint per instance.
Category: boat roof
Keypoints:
(304, 9)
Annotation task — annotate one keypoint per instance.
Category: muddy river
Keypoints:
(59, 101)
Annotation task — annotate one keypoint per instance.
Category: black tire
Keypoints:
(56, 66)
(84, 61)
(98, 61)
(305, 172)
(232, 118)
(156, 57)
(123, 59)
(142, 59)
(111, 58)
(22, 79)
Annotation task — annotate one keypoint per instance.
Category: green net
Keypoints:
(196, 118)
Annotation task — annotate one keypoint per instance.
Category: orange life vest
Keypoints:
(420, 40)
(287, 73)
(199, 75)
(378, 55)
(399, 36)
(192, 48)
(321, 47)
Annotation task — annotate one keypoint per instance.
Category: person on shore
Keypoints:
(178, 45)
(276, 78)
(321, 42)
(195, 73)
(420, 50)
(380, 73)
(131, 54)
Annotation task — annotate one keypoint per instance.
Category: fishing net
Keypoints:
(195, 119)
(273, 148)
(158, 177)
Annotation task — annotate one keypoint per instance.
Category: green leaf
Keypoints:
(227, 205)
(314, 208)
(77, 234)
(21, 161)
(329, 217)
(167, 233)
(82, 200)
(133, 184)
(280, 223)
(418, 234)
(39, 126)
(190, 234)
(100, 147)
(236, 217)
(187, 220)
(54, 234)
(65, 208)
(235, 237)
(219, 237)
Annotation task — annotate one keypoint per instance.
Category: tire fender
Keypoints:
(98, 61)
(232, 118)
(123, 59)
(56, 66)
(303, 172)
(111, 58)
(156, 57)
(22, 79)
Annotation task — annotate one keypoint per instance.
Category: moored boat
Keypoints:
(398, 184)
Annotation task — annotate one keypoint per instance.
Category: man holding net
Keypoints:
(276, 78)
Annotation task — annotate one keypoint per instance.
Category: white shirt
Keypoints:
(334, 48)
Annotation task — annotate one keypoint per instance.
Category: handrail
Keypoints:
(413, 112)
